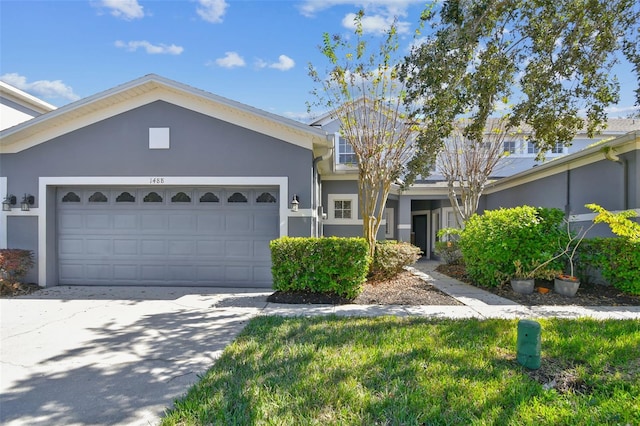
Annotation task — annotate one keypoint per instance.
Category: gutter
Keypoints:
(315, 192)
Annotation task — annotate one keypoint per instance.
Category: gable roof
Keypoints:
(23, 98)
(151, 88)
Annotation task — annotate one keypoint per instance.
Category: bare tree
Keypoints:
(467, 164)
(363, 90)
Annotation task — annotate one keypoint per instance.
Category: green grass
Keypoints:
(393, 371)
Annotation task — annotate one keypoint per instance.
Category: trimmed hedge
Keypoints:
(492, 242)
(617, 258)
(391, 257)
(321, 265)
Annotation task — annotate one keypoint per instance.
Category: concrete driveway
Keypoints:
(111, 355)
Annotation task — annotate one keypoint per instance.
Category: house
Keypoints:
(158, 183)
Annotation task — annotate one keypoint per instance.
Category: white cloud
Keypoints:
(42, 88)
(375, 24)
(212, 10)
(152, 49)
(284, 63)
(230, 60)
(124, 9)
(379, 14)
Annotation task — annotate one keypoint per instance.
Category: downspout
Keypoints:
(316, 184)
(625, 190)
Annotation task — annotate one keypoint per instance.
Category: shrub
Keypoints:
(617, 258)
(391, 257)
(448, 248)
(320, 265)
(15, 263)
(491, 243)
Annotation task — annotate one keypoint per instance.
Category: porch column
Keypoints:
(404, 218)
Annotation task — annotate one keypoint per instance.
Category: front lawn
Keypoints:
(388, 370)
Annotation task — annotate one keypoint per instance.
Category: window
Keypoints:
(388, 227)
(558, 148)
(125, 197)
(532, 148)
(237, 197)
(510, 147)
(342, 209)
(98, 197)
(181, 197)
(71, 197)
(346, 155)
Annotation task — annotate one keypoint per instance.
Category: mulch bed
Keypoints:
(405, 289)
(8, 289)
(589, 294)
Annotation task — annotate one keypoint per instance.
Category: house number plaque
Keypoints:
(156, 180)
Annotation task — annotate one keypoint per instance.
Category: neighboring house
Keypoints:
(580, 175)
(17, 106)
(157, 183)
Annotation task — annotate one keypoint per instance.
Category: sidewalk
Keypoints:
(478, 303)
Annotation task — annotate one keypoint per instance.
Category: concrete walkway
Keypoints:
(121, 355)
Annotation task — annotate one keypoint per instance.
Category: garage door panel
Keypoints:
(157, 272)
(98, 271)
(212, 223)
(179, 273)
(154, 222)
(265, 224)
(71, 221)
(99, 247)
(125, 221)
(239, 249)
(241, 273)
(125, 247)
(239, 223)
(210, 248)
(181, 248)
(127, 273)
(71, 272)
(70, 246)
(98, 221)
(215, 243)
(153, 247)
(261, 249)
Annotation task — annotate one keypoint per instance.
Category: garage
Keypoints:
(171, 236)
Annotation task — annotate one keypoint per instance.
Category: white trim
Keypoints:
(586, 217)
(282, 182)
(331, 219)
(404, 226)
(301, 213)
(3, 215)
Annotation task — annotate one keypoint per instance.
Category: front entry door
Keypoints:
(420, 232)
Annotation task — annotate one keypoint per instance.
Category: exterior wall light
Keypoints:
(295, 202)
(9, 200)
(27, 201)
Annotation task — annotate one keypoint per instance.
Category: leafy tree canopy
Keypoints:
(549, 61)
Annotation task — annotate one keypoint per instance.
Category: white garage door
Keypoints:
(166, 236)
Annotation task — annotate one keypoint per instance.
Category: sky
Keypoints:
(252, 51)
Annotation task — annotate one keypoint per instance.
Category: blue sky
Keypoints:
(252, 51)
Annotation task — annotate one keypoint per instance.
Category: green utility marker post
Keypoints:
(528, 344)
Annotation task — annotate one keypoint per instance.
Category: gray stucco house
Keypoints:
(157, 183)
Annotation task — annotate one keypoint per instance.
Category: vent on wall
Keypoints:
(159, 138)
